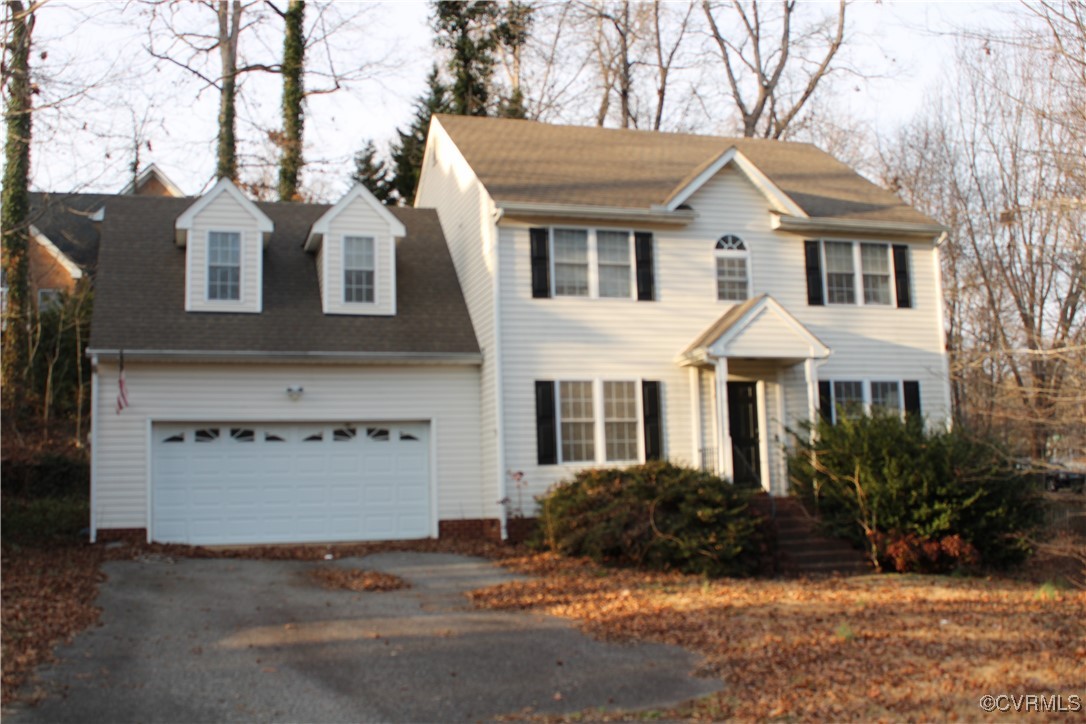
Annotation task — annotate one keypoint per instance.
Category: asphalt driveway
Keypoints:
(195, 640)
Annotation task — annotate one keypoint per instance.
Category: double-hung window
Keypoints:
(840, 273)
(875, 263)
(358, 269)
(598, 421)
(224, 265)
(732, 269)
(578, 421)
(613, 260)
(570, 263)
(886, 397)
(866, 273)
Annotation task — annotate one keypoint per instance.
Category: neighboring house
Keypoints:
(643, 295)
(291, 372)
(64, 235)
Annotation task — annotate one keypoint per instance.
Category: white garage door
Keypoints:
(288, 483)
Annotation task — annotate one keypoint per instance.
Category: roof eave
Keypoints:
(784, 222)
(259, 357)
(655, 214)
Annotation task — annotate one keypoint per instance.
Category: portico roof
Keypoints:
(759, 328)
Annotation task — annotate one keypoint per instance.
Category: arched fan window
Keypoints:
(732, 269)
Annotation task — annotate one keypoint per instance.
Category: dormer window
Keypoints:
(732, 269)
(223, 265)
(359, 268)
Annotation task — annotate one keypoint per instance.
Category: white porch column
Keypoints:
(812, 390)
(724, 436)
(695, 415)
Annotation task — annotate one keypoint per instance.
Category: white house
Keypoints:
(560, 297)
(640, 295)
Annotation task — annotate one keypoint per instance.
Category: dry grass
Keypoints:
(884, 647)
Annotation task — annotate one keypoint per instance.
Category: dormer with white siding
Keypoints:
(224, 235)
(355, 244)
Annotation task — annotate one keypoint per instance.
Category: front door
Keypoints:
(743, 424)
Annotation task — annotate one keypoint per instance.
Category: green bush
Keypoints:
(657, 516)
(917, 500)
(43, 521)
(47, 475)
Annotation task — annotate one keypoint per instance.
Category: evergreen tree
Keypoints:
(467, 29)
(16, 199)
(293, 69)
(511, 33)
(407, 152)
(373, 173)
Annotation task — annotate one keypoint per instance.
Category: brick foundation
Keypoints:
(106, 535)
(471, 529)
(519, 530)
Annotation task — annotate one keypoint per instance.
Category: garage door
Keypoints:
(284, 483)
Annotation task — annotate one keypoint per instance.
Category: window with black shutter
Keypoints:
(546, 431)
(541, 265)
(653, 420)
(814, 273)
(911, 392)
(825, 400)
(901, 276)
(646, 276)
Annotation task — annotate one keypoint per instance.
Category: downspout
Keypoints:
(94, 450)
(499, 406)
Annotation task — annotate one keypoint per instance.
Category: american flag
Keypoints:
(122, 388)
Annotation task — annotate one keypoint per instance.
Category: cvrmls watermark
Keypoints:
(1056, 703)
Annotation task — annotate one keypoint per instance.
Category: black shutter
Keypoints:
(911, 388)
(546, 433)
(901, 275)
(825, 400)
(650, 402)
(541, 263)
(814, 273)
(646, 282)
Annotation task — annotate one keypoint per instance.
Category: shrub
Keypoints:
(657, 516)
(48, 475)
(44, 521)
(918, 500)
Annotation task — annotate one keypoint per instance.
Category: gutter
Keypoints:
(785, 222)
(656, 214)
(257, 357)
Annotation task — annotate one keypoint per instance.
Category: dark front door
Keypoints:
(743, 424)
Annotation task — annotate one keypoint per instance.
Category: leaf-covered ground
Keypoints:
(870, 648)
(357, 579)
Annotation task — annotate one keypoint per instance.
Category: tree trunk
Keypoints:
(229, 25)
(16, 201)
(290, 164)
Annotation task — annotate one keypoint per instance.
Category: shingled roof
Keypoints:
(140, 293)
(529, 162)
(66, 219)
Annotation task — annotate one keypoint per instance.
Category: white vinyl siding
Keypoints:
(464, 208)
(224, 218)
(358, 269)
(445, 396)
(358, 221)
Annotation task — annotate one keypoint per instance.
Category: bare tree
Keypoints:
(772, 63)
(1003, 168)
(666, 52)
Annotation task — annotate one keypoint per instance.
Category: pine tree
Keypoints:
(468, 30)
(373, 173)
(16, 199)
(407, 152)
(290, 163)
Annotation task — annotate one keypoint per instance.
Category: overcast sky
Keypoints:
(83, 143)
